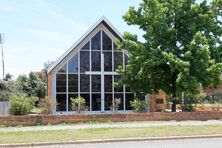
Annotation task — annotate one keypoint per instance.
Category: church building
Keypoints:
(88, 69)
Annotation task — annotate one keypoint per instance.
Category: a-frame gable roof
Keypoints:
(103, 20)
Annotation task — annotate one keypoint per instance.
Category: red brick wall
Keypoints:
(29, 120)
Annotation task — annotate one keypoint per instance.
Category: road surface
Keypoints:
(184, 143)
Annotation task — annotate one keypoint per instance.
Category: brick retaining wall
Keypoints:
(30, 120)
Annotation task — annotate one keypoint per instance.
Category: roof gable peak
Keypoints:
(103, 19)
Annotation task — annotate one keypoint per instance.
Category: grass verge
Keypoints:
(106, 133)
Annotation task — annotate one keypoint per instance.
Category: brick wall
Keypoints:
(29, 120)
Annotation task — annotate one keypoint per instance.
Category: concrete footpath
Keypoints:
(110, 125)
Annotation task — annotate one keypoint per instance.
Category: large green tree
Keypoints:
(32, 85)
(182, 47)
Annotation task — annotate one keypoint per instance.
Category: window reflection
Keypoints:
(108, 83)
(84, 83)
(61, 83)
(96, 102)
(108, 101)
(107, 42)
(96, 83)
(96, 60)
(63, 69)
(73, 64)
(73, 82)
(107, 61)
(84, 61)
(61, 102)
(86, 46)
(96, 42)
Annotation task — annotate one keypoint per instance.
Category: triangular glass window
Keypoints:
(107, 42)
(86, 46)
(63, 69)
(96, 42)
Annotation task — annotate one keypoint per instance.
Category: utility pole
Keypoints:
(3, 65)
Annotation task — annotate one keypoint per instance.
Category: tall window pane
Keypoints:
(108, 101)
(96, 60)
(108, 83)
(61, 102)
(96, 42)
(119, 96)
(96, 83)
(84, 83)
(73, 82)
(118, 59)
(107, 42)
(87, 99)
(61, 83)
(84, 61)
(128, 98)
(96, 102)
(107, 61)
(73, 64)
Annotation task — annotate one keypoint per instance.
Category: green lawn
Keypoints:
(106, 133)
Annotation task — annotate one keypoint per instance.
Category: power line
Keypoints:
(3, 65)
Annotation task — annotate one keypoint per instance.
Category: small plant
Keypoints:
(38, 121)
(115, 107)
(79, 104)
(139, 106)
(45, 106)
(94, 119)
(20, 104)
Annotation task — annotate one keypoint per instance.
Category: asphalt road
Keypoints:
(184, 143)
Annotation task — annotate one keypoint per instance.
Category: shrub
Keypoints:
(20, 104)
(189, 102)
(115, 107)
(139, 105)
(45, 106)
(79, 104)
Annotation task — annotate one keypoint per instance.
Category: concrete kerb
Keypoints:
(111, 140)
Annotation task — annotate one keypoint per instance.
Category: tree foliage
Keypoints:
(182, 47)
(32, 85)
(6, 90)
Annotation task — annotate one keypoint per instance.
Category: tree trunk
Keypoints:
(173, 108)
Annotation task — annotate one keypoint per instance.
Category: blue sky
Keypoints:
(40, 30)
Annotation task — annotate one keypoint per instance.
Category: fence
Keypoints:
(4, 107)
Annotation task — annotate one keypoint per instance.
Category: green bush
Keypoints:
(115, 107)
(45, 105)
(139, 105)
(79, 104)
(189, 102)
(20, 104)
